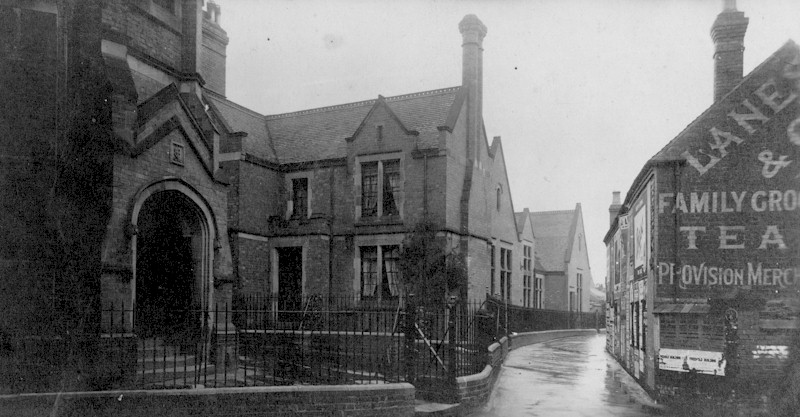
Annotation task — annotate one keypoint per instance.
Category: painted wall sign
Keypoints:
(766, 351)
(700, 361)
(769, 100)
(623, 222)
(727, 220)
(754, 274)
(641, 234)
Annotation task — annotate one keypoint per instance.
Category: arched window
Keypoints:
(499, 193)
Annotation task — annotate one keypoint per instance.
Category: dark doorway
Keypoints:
(290, 283)
(166, 283)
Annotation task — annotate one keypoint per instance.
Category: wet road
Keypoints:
(566, 377)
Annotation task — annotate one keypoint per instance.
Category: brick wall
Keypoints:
(370, 400)
(259, 197)
(153, 34)
(213, 56)
(252, 262)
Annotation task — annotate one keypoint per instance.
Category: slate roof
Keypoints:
(241, 119)
(520, 219)
(318, 134)
(553, 231)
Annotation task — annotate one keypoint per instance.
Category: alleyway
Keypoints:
(566, 377)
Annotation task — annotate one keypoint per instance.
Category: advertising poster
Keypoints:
(640, 240)
(703, 362)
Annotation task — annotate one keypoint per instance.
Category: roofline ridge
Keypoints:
(226, 100)
(554, 211)
(360, 103)
(421, 94)
(322, 109)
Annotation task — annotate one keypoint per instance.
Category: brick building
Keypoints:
(112, 183)
(322, 199)
(562, 269)
(135, 182)
(702, 288)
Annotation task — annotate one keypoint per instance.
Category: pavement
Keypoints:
(573, 376)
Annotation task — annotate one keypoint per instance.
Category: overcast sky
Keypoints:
(582, 92)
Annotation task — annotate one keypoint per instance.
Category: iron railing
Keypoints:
(253, 342)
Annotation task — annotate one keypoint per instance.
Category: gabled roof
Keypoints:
(157, 109)
(381, 102)
(554, 231)
(520, 219)
(319, 134)
(241, 119)
(694, 133)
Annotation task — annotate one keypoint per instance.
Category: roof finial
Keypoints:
(729, 5)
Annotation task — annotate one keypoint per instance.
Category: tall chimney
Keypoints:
(215, 43)
(728, 36)
(613, 209)
(472, 32)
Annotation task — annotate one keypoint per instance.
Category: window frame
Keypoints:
(380, 273)
(538, 291)
(397, 194)
(382, 243)
(527, 272)
(289, 185)
(506, 258)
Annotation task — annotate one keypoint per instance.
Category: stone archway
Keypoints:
(172, 260)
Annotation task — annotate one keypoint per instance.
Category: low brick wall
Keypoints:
(474, 390)
(351, 400)
(525, 339)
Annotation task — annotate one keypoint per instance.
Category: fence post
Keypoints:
(410, 333)
(452, 303)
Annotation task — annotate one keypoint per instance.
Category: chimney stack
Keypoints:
(727, 32)
(472, 32)
(614, 208)
(214, 49)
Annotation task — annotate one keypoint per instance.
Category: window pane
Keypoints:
(369, 271)
(391, 273)
(300, 197)
(391, 187)
(369, 189)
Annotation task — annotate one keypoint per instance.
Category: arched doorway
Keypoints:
(172, 261)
